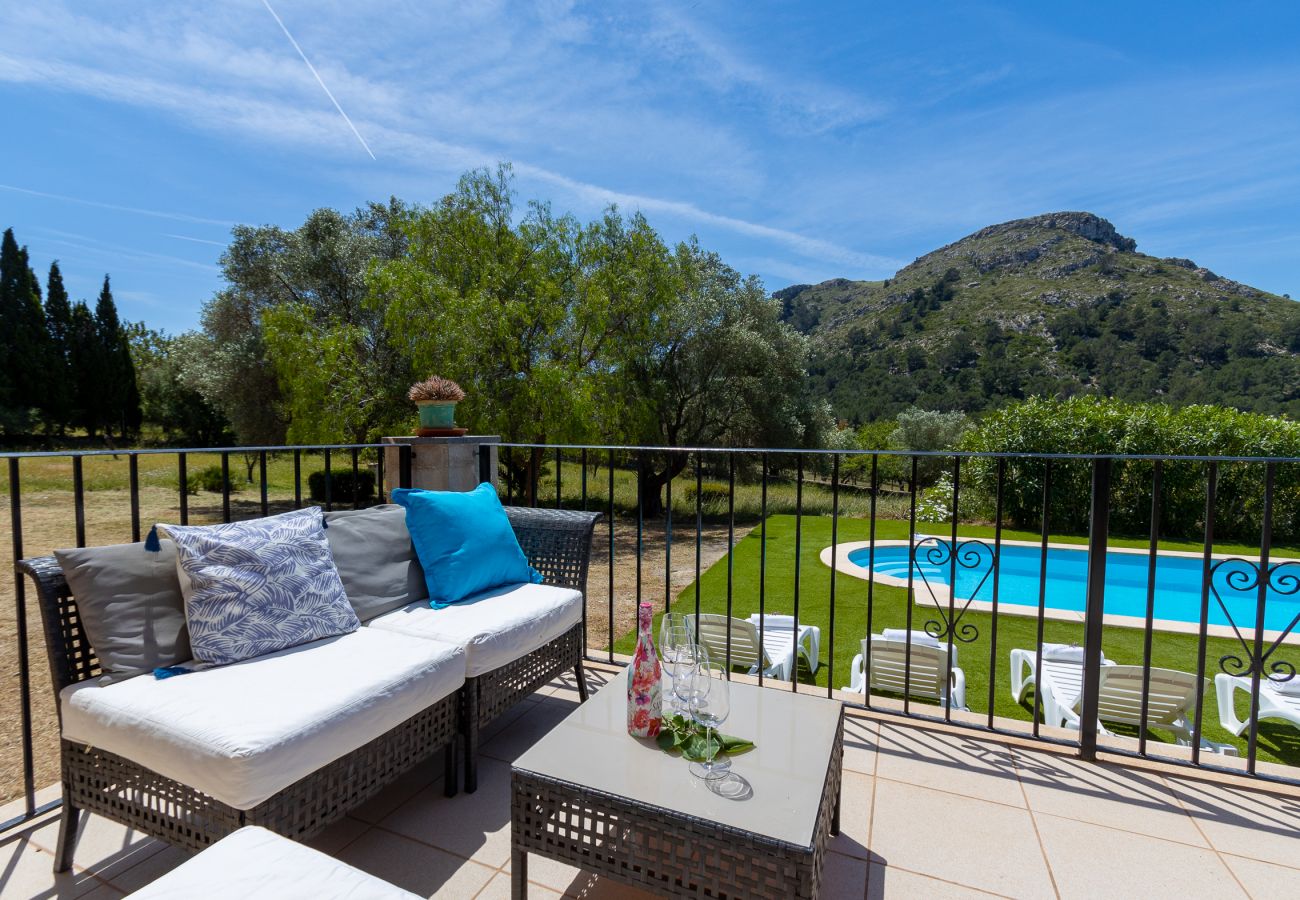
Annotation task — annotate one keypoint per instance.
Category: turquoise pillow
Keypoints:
(464, 542)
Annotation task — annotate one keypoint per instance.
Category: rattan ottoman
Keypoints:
(589, 795)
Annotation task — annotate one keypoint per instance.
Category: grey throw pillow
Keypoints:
(259, 586)
(375, 558)
(130, 605)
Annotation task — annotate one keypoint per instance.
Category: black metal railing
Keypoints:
(803, 501)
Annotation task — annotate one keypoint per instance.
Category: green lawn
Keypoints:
(159, 470)
(1277, 741)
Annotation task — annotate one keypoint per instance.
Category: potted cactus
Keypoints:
(436, 398)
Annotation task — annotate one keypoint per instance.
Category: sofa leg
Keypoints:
(581, 675)
(469, 715)
(69, 823)
(450, 769)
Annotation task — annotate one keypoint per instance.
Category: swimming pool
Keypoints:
(1178, 582)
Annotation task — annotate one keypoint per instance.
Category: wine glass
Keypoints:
(674, 643)
(679, 661)
(710, 704)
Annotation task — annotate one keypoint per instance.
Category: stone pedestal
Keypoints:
(441, 463)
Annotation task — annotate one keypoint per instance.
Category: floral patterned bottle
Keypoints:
(644, 710)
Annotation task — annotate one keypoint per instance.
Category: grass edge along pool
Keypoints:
(1177, 604)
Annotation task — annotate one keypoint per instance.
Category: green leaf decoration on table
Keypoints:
(680, 735)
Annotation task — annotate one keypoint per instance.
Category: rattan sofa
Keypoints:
(558, 545)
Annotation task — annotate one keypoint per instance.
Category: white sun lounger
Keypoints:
(928, 674)
(1274, 703)
(1171, 704)
(1062, 674)
(777, 652)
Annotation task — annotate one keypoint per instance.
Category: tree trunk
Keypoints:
(651, 480)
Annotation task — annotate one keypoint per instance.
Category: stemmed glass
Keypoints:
(709, 698)
(675, 648)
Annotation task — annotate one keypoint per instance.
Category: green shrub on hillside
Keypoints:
(1092, 425)
(208, 479)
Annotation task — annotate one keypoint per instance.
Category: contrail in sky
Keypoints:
(318, 78)
(158, 214)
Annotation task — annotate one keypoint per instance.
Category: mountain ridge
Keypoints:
(1055, 304)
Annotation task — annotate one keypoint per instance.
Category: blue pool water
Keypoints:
(1178, 582)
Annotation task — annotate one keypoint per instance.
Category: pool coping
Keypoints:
(840, 553)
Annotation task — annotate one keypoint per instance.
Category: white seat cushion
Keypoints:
(243, 732)
(495, 627)
(255, 864)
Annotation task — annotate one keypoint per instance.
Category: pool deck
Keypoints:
(837, 557)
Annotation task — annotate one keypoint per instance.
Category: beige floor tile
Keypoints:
(506, 719)
(948, 762)
(414, 866)
(149, 870)
(27, 871)
(844, 876)
(574, 882)
(972, 842)
(1261, 879)
(855, 816)
(527, 730)
(400, 791)
(860, 739)
(475, 826)
(337, 836)
(18, 805)
(1246, 823)
(889, 881)
(105, 847)
(1107, 795)
(499, 889)
(1092, 861)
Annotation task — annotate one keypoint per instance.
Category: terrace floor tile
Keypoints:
(1243, 822)
(954, 763)
(1094, 861)
(989, 846)
(1113, 796)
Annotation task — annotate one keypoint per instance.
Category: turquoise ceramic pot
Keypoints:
(438, 414)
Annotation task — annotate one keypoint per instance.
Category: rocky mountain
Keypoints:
(1053, 305)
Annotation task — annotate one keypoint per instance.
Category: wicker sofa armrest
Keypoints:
(557, 542)
(70, 655)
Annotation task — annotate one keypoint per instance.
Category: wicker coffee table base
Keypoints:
(660, 850)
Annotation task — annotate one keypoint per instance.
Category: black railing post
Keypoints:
(133, 475)
(1098, 537)
(404, 465)
(20, 636)
(79, 499)
(183, 477)
(225, 487)
(484, 452)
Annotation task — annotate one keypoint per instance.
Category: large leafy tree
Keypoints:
(526, 314)
(719, 368)
(291, 347)
(179, 411)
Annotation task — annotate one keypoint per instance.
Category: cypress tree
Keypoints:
(86, 360)
(58, 322)
(26, 342)
(9, 260)
(121, 408)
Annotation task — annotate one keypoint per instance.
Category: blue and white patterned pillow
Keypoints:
(255, 587)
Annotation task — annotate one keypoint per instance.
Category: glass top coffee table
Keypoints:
(591, 796)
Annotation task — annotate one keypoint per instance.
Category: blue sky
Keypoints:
(804, 141)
